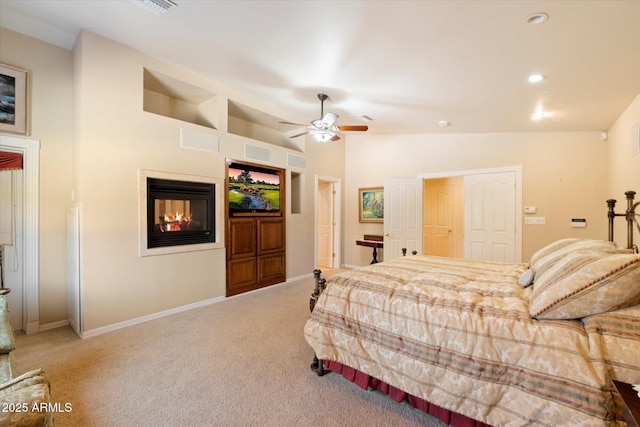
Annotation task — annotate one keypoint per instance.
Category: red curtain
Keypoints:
(10, 161)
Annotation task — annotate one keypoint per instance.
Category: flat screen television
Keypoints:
(253, 189)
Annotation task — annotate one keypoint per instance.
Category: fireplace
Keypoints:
(179, 212)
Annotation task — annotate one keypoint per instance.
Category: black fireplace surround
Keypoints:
(179, 212)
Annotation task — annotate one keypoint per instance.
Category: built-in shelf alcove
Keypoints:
(170, 97)
(251, 123)
(297, 192)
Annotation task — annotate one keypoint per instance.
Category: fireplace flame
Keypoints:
(179, 222)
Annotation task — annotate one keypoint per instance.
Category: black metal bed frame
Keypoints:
(630, 215)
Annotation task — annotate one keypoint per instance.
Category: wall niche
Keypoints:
(251, 123)
(173, 98)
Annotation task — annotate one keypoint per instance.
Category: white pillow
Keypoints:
(526, 278)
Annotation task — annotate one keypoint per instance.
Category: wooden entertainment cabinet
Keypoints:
(256, 245)
(255, 253)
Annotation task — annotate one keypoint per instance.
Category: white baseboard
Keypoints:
(142, 319)
(58, 324)
(352, 266)
(304, 276)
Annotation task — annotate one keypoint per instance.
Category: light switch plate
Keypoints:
(535, 220)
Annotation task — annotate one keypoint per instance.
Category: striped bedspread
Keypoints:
(458, 334)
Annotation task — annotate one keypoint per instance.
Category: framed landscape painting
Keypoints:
(13, 99)
(371, 204)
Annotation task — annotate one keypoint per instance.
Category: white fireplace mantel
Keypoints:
(144, 250)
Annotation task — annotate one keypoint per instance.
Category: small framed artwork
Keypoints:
(13, 99)
(371, 205)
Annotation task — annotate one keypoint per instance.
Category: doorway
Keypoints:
(327, 222)
(29, 304)
(443, 217)
(491, 200)
(11, 242)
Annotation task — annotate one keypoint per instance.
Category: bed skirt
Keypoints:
(366, 382)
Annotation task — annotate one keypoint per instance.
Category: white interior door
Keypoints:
(327, 221)
(12, 241)
(490, 217)
(402, 216)
(325, 224)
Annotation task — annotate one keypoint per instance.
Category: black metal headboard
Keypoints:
(630, 215)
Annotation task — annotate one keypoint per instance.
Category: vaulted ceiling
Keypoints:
(408, 65)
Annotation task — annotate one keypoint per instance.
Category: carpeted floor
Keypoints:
(240, 362)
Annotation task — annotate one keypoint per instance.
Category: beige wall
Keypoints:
(563, 175)
(115, 138)
(95, 137)
(624, 169)
(50, 84)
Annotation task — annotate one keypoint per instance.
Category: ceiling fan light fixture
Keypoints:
(329, 119)
(322, 135)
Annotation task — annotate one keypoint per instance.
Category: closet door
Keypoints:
(490, 216)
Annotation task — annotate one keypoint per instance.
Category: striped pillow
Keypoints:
(585, 283)
(546, 257)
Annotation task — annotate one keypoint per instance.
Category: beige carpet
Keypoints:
(241, 362)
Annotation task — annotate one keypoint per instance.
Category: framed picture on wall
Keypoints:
(13, 99)
(371, 206)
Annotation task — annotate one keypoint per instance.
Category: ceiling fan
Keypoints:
(324, 128)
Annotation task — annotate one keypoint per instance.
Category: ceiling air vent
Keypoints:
(157, 7)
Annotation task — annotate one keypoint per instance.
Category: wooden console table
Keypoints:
(372, 241)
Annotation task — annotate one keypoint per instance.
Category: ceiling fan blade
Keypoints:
(359, 128)
(291, 123)
(299, 134)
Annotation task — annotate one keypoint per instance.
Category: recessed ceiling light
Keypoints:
(536, 78)
(537, 18)
(443, 123)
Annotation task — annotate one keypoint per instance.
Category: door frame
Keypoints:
(517, 169)
(337, 215)
(30, 150)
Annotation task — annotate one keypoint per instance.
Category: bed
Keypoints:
(479, 343)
